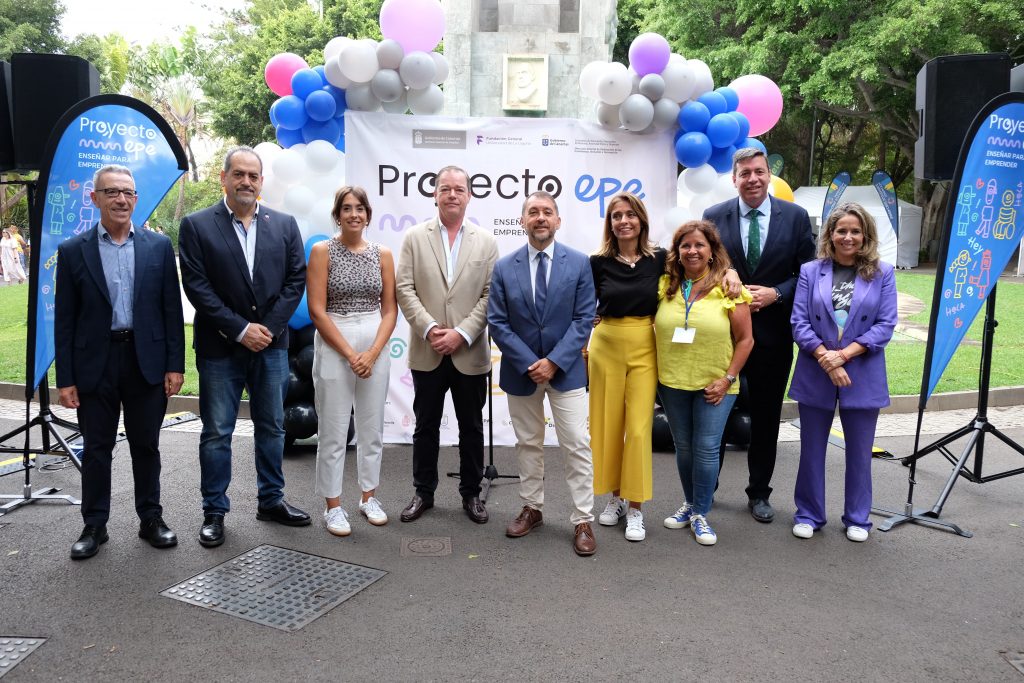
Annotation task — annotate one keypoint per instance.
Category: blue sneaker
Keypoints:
(681, 518)
(702, 531)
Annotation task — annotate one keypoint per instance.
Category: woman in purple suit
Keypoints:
(844, 312)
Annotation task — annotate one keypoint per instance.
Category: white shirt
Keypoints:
(451, 256)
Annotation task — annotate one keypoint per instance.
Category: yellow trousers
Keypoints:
(623, 382)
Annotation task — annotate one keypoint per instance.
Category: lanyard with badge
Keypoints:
(685, 334)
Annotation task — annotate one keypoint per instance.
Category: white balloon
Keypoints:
(674, 217)
(417, 70)
(700, 202)
(725, 187)
(387, 85)
(389, 54)
(680, 80)
(666, 112)
(358, 61)
(332, 71)
(399, 106)
(676, 57)
(426, 102)
(272, 192)
(590, 76)
(607, 115)
(703, 80)
(334, 47)
(289, 166)
(321, 156)
(298, 200)
(636, 113)
(652, 86)
(267, 152)
(441, 64)
(361, 98)
(319, 215)
(615, 84)
(700, 179)
(680, 186)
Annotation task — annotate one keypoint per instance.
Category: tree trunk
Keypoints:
(179, 207)
(933, 212)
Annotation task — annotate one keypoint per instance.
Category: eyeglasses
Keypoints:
(113, 192)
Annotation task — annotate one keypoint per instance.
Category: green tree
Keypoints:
(30, 26)
(110, 54)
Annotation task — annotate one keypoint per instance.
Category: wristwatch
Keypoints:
(778, 295)
(731, 379)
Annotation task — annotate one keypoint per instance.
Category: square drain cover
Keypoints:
(1016, 660)
(426, 547)
(13, 649)
(277, 587)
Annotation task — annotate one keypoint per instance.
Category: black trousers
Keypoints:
(468, 395)
(98, 412)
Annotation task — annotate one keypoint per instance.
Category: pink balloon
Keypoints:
(279, 71)
(649, 53)
(415, 24)
(760, 102)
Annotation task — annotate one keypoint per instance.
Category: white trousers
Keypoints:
(337, 388)
(569, 412)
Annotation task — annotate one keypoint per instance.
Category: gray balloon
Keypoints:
(399, 106)
(389, 54)
(666, 112)
(426, 102)
(361, 98)
(417, 70)
(387, 85)
(652, 86)
(441, 62)
(636, 113)
(608, 115)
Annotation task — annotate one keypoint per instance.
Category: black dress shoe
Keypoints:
(416, 507)
(88, 544)
(283, 513)
(475, 510)
(211, 534)
(157, 533)
(761, 510)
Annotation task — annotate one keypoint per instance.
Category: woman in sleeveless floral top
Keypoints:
(350, 288)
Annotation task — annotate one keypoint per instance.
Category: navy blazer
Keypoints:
(83, 315)
(217, 282)
(524, 337)
(789, 245)
(870, 323)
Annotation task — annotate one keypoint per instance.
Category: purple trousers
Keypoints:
(859, 433)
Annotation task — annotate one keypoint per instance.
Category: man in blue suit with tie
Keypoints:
(540, 313)
(119, 341)
(243, 269)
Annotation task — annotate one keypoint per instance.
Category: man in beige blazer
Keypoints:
(444, 275)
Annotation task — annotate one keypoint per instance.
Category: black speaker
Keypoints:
(45, 86)
(6, 131)
(951, 90)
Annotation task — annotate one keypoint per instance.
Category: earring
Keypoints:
(711, 260)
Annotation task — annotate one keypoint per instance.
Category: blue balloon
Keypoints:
(328, 130)
(721, 159)
(305, 81)
(313, 240)
(732, 98)
(744, 126)
(679, 133)
(694, 117)
(286, 138)
(340, 144)
(338, 94)
(715, 102)
(755, 143)
(722, 130)
(273, 115)
(693, 149)
(290, 112)
(320, 70)
(301, 317)
(320, 106)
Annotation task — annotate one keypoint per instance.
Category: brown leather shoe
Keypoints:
(584, 542)
(475, 510)
(416, 507)
(524, 522)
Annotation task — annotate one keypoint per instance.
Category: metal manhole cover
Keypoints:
(426, 547)
(277, 587)
(1016, 660)
(14, 649)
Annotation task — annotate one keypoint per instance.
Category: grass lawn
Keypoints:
(904, 356)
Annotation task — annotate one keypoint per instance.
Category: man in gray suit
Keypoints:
(444, 274)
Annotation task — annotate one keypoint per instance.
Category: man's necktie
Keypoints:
(540, 287)
(753, 240)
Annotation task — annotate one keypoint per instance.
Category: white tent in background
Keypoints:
(902, 252)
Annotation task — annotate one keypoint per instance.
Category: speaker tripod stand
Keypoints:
(490, 471)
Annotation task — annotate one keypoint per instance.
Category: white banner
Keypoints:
(394, 158)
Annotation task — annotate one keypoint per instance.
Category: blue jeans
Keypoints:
(697, 428)
(221, 381)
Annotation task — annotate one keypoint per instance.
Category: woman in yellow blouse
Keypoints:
(703, 340)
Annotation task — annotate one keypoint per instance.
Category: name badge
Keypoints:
(684, 335)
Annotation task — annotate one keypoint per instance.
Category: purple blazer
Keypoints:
(870, 323)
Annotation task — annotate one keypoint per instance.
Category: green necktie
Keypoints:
(753, 240)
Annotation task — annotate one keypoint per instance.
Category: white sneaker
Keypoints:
(857, 534)
(613, 512)
(337, 521)
(635, 530)
(803, 530)
(702, 531)
(680, 519)
(373, 512)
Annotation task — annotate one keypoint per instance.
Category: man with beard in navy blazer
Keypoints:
(768, 239)
(243, 269)
(541, 311)
(119, 341)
